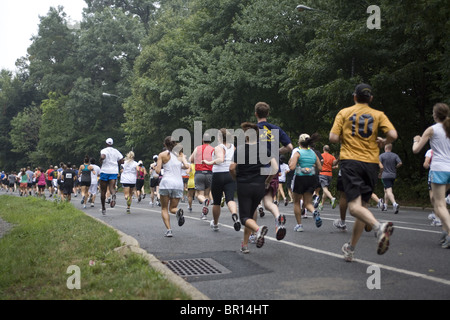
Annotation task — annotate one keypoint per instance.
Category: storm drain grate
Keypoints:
(196, 267)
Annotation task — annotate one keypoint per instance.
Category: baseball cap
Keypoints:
(363, 90)
(109, 141)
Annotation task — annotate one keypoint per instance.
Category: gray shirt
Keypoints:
(389, 160)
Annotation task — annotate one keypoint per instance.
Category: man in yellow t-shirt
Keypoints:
(357, 129)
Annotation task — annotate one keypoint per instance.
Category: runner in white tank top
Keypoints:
(222, 181)
(171, 185)
(440, 165)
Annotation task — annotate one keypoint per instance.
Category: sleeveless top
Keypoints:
(172, 178)
(228, 158)
(305, 164)
(140, 173)
(85, 174)
(440, 145)
(204, 152)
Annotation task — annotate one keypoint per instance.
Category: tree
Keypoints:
(52, 54)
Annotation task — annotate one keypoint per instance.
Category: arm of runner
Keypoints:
(420, 142)
(293, 161)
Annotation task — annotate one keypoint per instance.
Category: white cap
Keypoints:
(109, 141)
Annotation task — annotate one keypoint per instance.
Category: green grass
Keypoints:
(47, 238)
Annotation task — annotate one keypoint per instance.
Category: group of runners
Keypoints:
(252, 172)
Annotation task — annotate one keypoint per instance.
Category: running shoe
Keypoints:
(237, 223)
(261, 211)
(214, 227)
(446, 244)
(180, 217)
(304, 214)
(316, 201)
(286, 202)
(244, 249)
(205, 209)
(280, 230)
(431, 216)
(128, 210)
(444, 236)
(339, 225)
(384, 207)
(262, 231)
(333, 203)
(82, 200)
(298, 228)
(380, 204)
(168, 234)
(317, 219)
(436, 223)
(113, 201)
(252, 238)
(396, 208)
(348, 252)
(383, 235)
(104, 212)
(320, 207)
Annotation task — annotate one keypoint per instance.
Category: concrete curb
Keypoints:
(130, 244)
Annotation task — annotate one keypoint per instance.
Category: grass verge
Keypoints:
(47, 238)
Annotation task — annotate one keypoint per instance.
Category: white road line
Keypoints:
(335, 255)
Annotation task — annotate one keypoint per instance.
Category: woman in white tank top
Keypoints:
(439, 137)
(222, 181)
(171, 185)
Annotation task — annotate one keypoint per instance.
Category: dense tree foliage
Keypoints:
(167, 64)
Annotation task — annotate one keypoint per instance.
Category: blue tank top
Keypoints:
(305, 164)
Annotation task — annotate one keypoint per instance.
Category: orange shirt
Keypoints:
(327, 165)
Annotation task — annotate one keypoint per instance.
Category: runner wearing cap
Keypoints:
(357, 128)
(110, 158)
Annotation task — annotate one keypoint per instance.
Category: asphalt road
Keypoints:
(307, 265)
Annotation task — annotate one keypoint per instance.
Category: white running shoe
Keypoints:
(214, 227)
(383, 235)
(396, 207)
(339, 225)
(348, 253)
(168, 234)
(262, 231)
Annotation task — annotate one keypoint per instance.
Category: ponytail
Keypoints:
(442, 113)
(446, 125)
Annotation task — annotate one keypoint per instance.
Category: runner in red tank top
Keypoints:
(203, 172)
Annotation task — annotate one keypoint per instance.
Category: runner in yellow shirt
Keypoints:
(357, 129)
